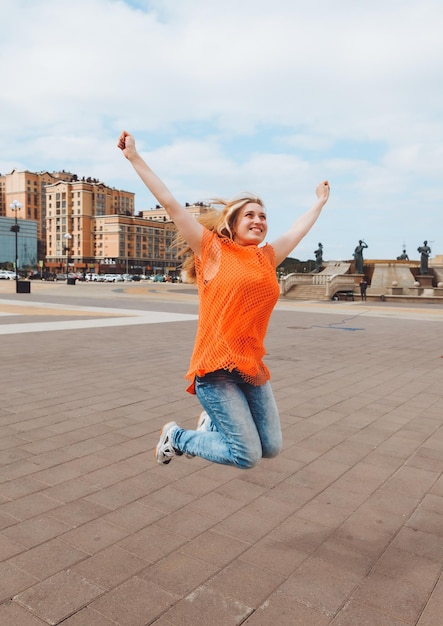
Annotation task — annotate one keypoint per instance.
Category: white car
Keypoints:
(7, 275)
(113, 278)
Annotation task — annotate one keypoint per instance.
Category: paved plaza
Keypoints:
(344, 527)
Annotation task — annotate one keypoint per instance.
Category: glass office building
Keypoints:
(26, 242)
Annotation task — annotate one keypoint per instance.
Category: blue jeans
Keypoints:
(245, 425)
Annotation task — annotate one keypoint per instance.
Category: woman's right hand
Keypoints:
(126, 143)
(322, 191)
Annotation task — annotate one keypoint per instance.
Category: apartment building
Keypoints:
(134, 245)
(72, 208)
(159, 214)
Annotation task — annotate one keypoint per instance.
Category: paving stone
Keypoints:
(417, 542)
(12, 614)
(395, 596)
(13, 580)
(286, 611)
(179, 573)
(59, 596)
(109, 567)
(9, 548)
(48, 558)
(301, 534)
(246, 583)
(35, 530)
(134, 603)
(90, 617)
(152, 543)
(321, 585)
(433, 611)
(28, 506)
(206, 606)
(355, 613)
(215, 548)
(274, 555)
(94, 535)
(402, 565)
(78, 512)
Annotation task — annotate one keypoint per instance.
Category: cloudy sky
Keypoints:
(231, 95)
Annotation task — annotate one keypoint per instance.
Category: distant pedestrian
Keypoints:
(238, 290)
(363, 288)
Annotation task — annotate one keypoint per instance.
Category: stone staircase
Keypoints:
(307, 292)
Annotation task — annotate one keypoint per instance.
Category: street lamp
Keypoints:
(16, 206)
(67, 237)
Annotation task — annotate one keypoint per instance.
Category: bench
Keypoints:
(344, 295)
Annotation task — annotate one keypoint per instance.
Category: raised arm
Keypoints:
(189, 228)
(284, 245)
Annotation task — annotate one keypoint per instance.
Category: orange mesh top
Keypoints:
(238, 290)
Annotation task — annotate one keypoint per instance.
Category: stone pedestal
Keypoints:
(397, 291)
(425, 281)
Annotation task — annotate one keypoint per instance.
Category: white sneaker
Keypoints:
(202, 426)
(204, 422)
(164, 452)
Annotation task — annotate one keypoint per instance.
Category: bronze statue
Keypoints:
(358, 256)
(425, 252)
(403, 256)
(319, 258)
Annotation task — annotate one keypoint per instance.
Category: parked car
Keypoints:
(7, 275)
(127, 277)
(113, 278)
(95, 278)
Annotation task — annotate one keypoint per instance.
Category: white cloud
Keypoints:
(224, 96)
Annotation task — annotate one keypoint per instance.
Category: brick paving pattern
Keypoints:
(344, 528)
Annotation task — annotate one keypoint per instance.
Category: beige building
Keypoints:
(74, 208)
(134, 245)
(159, 214)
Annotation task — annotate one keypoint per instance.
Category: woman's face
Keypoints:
(250, 226)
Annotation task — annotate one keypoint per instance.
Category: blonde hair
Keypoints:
(220, 221)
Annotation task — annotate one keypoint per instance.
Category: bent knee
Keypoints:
(271, 453)
(272, 448)
(249, 460)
